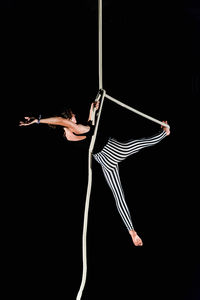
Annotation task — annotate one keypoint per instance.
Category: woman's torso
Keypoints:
(83, 140)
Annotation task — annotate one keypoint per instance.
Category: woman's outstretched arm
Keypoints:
(51, 121)
(76, 128)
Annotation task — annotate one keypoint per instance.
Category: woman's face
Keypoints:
(73, 118)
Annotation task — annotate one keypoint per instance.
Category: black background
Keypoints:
(150, 62)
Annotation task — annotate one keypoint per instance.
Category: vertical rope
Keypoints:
(94, 110)
(100, 44)
(87, 202)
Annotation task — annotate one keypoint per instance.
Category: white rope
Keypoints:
(136, 111)
(87, 202)
(89, 186)
(94, 110)
(100, 44)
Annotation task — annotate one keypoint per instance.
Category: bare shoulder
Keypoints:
(71, 126)
(76, 128)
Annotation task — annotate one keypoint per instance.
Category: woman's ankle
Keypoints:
(132, 232)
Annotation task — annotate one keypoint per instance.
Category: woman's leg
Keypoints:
(114, 182)
(109, 157)
(118, 151)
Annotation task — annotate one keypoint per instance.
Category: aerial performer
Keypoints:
(108, 153)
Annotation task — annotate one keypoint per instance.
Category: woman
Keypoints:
(108, 156)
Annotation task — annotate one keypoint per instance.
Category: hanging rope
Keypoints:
(87, 201)
(100, 97)
(100, 44)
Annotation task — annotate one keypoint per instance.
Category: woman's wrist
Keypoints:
(38, 119)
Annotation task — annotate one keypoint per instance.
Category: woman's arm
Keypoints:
(51, 121)
(93, 105)
(76, 128)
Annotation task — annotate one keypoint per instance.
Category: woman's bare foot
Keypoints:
(166, 129)
(136, 239)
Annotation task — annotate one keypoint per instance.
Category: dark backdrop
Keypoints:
(150, 62)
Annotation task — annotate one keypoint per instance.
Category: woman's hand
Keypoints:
(28, 121)
(166, 129)
(96, 104)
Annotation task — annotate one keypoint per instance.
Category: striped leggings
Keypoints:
(113, 153)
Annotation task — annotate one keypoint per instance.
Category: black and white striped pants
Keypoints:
(115, 152)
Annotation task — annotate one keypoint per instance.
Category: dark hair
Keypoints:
(67, 113)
